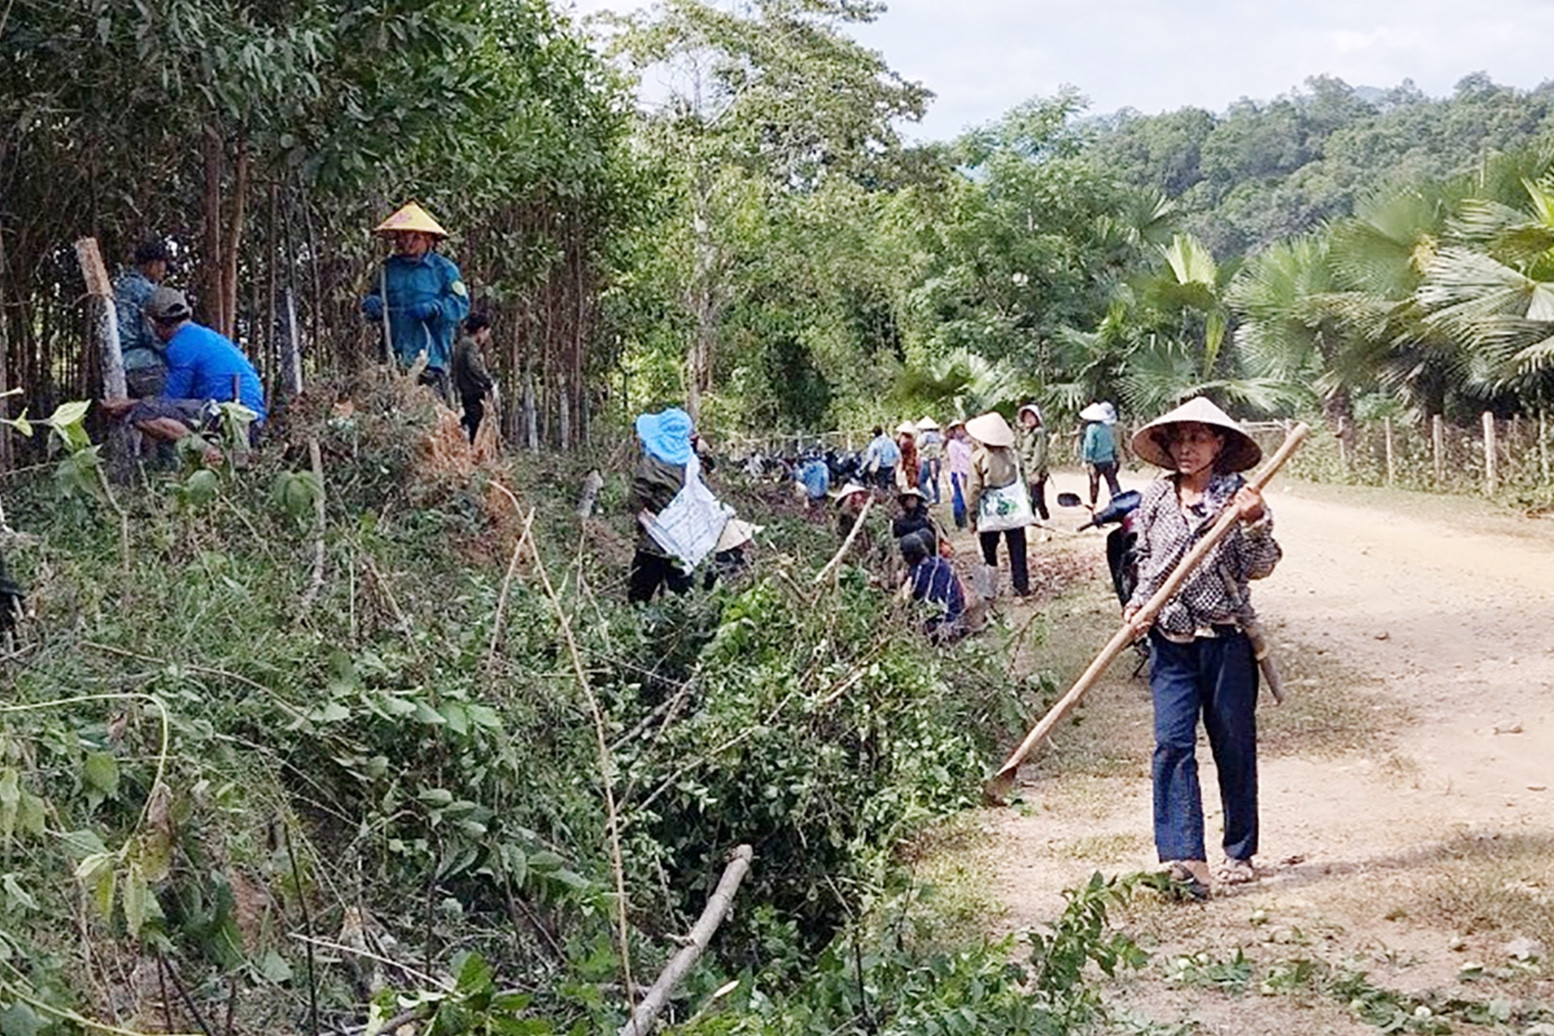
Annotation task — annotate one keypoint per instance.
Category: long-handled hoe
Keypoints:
(997, 789)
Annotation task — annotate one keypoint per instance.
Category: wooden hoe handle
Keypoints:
(997, 788)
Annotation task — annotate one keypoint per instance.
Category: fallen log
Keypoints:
(717, 908)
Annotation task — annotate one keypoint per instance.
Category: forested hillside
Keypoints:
(1265, 170)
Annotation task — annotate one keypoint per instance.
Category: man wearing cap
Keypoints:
(419, 297)
(202, 368)
(1201, 659)
(145, 369)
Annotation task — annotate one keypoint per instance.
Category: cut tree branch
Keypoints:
(718, 907)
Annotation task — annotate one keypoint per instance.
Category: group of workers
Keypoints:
(178, 372)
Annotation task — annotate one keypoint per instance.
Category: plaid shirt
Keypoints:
(1166, 534)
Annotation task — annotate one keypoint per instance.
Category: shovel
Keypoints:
(996, 790)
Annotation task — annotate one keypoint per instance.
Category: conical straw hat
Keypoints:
(906, 428)
(1152, 441)
(927, 423)
(990, 429)
(411, 217)
(1093, 412)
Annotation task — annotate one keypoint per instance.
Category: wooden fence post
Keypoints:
(100, 289)
(1543, 444)
(1391, 465)
(1438, 446)
(1490, 473)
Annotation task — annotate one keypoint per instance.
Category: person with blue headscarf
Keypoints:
(667, 449)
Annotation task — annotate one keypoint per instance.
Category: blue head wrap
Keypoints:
(667, 435)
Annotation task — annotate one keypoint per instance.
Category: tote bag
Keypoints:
(1007, 507)
(690, 526)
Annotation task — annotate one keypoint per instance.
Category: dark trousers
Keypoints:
(1038, 488)
(1217, 678)
(651, 571)
(928, 480)
(1019, 575)
(958, 500)
(474, 411)
(885, 478)
(1108, 471)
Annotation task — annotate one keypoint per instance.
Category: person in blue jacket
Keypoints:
(419, 297)
(203, 369)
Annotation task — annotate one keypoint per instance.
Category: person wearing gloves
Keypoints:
(660, 475)
(1201, 660)
(419, 296)
(930, 448)
(993, 509)
(1099, 449)
(1031, 442)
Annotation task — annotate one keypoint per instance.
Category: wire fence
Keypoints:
(1499, 458)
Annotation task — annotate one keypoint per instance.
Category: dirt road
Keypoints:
(1407, 810)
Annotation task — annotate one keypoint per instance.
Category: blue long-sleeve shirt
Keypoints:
(882, 452)
(201, 364)
(414, 281)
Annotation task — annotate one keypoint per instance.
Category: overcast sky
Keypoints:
(981, 57)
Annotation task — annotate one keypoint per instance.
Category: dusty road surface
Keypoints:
(1407, 789)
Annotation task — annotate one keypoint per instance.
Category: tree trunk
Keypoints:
(234, 240)
(212, 290)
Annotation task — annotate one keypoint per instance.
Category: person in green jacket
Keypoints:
(471, 380)
(1031, 443)
(1100, 449)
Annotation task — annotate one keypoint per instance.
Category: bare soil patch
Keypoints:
(1408, 821)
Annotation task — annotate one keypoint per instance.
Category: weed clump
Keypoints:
(292, 787)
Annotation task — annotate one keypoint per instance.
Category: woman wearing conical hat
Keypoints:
(419, 296)
(1201, 662)
(995, 467)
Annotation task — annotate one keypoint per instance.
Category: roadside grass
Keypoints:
(1331, 706)
(951, 869)
(1483, 883)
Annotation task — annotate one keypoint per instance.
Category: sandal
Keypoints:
(1236, 872)
(1184, 883)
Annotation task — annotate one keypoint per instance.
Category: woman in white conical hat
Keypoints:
(930, 452)
(992, 506)
(1099, 448)
(1201, 661)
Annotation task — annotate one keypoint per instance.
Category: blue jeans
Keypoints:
(1216, 677)
(928, 477)
(958, 500)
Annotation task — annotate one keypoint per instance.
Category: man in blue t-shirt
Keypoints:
(204, 370)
